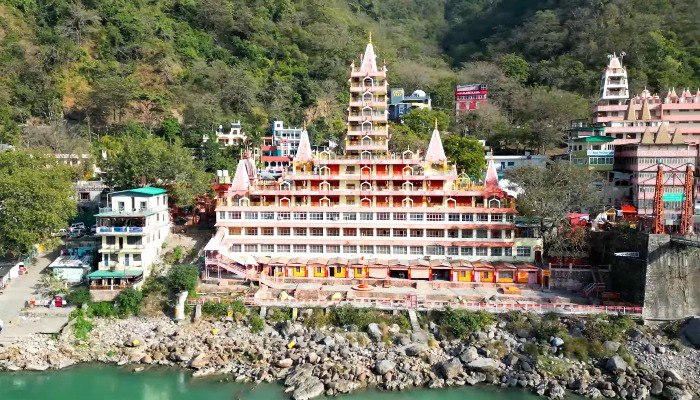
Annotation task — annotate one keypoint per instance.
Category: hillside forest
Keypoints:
(76, 75)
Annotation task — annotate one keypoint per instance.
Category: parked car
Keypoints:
(76, 233)
(61, 233)
(77, 225)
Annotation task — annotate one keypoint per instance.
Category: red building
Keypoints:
(468, 97)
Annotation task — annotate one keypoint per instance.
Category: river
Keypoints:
(97, 381)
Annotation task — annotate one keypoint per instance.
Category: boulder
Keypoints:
(308, 389)
(329, 341)
(611, 346)
(657, 387)
(285, 363)
(675, 377)
(450, 369)
(313, 358)
(557, 342)
(384, 366)
(674, 393)
(522, 333)
(415, 350)
(483, 364)
(616, 364)
(469, 354)
(556, 392)
(510, 360)
(691, 331)
(199, 361)
(374, 331)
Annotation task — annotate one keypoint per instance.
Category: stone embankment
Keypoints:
(333, 361)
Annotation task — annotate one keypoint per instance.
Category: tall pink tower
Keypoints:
(368, 130)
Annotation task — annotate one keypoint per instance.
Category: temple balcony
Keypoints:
(375, 132)
(379, 117)
(371, 89)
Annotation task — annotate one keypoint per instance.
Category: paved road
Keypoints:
(15, 295)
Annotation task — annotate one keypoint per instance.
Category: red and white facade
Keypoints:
(367, 213)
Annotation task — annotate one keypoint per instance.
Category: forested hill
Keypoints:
(177, 67)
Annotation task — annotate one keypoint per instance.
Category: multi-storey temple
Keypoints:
(368, 213)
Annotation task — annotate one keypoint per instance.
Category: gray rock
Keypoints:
(450, 369)
(556, 392)
(557, 342)
(674, 393)
(416, 350)
(469, 354)
(483, 364)
(611, 346)
(650, 348)
(657, 387)
(522, 333)
(510, 360)
(419, 337)
(615, 364)
(374, 331)
(312, 357)
(199, 362)
(285, 363)
(329, 341)
(691, 331)
(661, 350)
(675, 376)
(384, 366)
(309, 389)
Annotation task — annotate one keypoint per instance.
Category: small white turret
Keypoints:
(613, 86)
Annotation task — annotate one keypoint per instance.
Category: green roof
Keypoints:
(148, 190)
(114, 274)
(594, 139)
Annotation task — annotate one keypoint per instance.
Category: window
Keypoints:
(251, 215)
(467, 251)
(137, 257)
(251, 248)
(332, 216)
(497, 217)
(365, 216)
(482, 233)
(482, 217)
(350, 200)
(467, 233)
(416, 216)
(267, 248)
(434, 233)
(316, 231)
(416, 233)
(110, 240)
(283, 216)
(453, 233)
(333, 232)
(453, 251)
(251, 231)
(319, 270)
(510, 217)
(383, 249)
(316, 216)
(399, 216)
(506, 274)
(367, 249)
(349, 249)
(417, 250)
(300, 216)
(383, 232)
(349, 232)
(508, 251)
(383, 216)
(523, 251)
(482, 251)
(222, 214)
(234, 215)
(349, 216)
(268, 215)
(468, 217)
(236, 248)
(366, 232)
(283, 231)
(358, 271)
(435, 217)
(332, 248)
(399, 249)
(435, 250)
(453, 217)
(497, 251)
(399, 233)
(84, 196)
(300, 248)
(299, 231)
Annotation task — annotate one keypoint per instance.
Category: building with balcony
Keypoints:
(504, 162)
(132, 232)
(594, 152)
(400, 104)
(279, 148)
(234, 136)
(368, 214)
(468, 97)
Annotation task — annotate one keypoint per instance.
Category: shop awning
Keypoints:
(103, 274)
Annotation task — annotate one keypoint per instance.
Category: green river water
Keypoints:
(112, 383)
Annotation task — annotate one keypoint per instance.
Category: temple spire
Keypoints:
(491, 180)
(369, 59)
(241, 180)
(304, 150)
(435, 153)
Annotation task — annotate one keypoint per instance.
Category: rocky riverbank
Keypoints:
(332, 360)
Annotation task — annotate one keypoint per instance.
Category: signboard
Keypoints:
(633, 254)
(600, 152)
(674, 196)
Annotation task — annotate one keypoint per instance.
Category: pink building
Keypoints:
(370, 214)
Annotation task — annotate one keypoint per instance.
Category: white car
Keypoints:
(61, 233)
(77, 225)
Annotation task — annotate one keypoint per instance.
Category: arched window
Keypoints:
(284, 202)
(366, 155)
(366, 97)
(407, 202)
(367, 111)
(325, 186)
(244, 202)
(407, 185)
(366, 170)
(451, 203)
(365, 186)
(366, 202)
(286, 185)
(325, 202)
(408, 154)
(368, 82)
(494, 203)
(325, 155)
(407, 171)
(366, 140)
(325, 170)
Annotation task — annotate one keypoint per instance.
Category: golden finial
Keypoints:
(435, 123)
(304, 124)
(370, 37)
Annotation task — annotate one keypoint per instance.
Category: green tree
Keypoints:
(515, 67)
(36, 198)
(110, 97)
(422, 121)
(79, 296)
(182, 278)
(128, 302)
(403, 138)
(466, 153)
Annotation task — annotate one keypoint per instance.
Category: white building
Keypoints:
(506, 162)
(72, 269)
(286, 139)
(234, 136)
(132, 230)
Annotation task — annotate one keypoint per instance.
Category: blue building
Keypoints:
(400, 104)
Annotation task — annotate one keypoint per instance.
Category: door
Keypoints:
(121, 243)
(126, 260)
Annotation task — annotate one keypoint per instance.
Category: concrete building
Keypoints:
(233, 136)
(9, 270)
(469, 97)
(279, 148)
(594, 152)
(72, 269)
(368, 214)
(509, 161)
(90, 195)
(132, 231)
(400, 104)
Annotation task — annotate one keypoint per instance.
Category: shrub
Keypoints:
(182, 278)
(362, 317)
(531, 349)
(602, 328)
(461, 323)
(129, 302)
(82, 326)
(102, 309)
(221, 309)
(577, 348)
(317, 319)
(79, 296)
(279, 314)
(256, 323)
